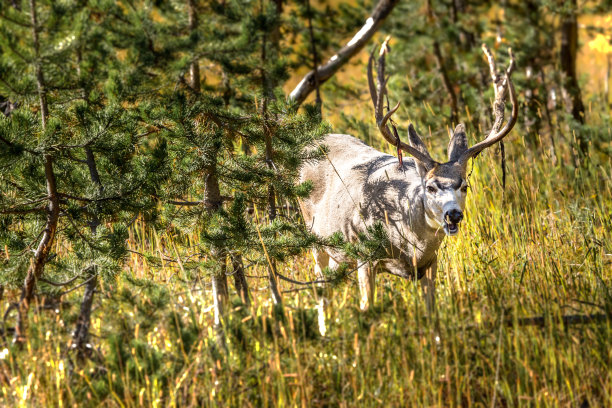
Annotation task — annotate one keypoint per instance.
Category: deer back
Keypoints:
(356, 186)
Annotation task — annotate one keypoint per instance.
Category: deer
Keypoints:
(418, 200)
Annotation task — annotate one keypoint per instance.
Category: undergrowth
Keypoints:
(541, 248)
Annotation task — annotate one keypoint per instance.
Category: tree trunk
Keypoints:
(466, 38)
(194, 68)
(454, 118)
(219, 287)
(212, 197)
(569, 50)
(42, 252)
(80, 337)
(48, 237)
(267, 88)
(272, 279)
(213, 202)
(240, 281)
(40, 79)
(315, 60)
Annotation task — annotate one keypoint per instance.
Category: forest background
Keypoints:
(149, 154)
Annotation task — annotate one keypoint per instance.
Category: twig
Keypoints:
(320, 281)
(77, 286)
(59, 284)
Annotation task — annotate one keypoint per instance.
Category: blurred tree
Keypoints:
(441, 76)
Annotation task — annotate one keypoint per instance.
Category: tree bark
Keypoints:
(213, 202)
(267, 92)
(267, 85)
(569, 50)
(42, 252)
(219, 287)
(240, 281)
(212, 197)
(466, 38)
(315, 60)
(359, 40)
(194, 68)
(48, 237)
(40, 80)
(272, 279)
(80, 337)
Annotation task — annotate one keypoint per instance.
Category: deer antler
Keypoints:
(500, 85)
(377, 93)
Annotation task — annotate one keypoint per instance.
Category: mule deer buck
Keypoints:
(419, 202)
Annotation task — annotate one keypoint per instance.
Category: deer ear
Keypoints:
(422, 169)
(458, 143)
(417, 143)
(415, 140)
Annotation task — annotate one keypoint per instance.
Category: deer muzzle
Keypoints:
(452, 218)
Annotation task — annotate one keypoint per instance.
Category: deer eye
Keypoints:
(431, 189)
(464, 188)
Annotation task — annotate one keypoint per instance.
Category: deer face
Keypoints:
(444, 184)
(445, 189)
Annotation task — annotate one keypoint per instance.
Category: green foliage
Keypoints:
(118, 88)
(86, 132)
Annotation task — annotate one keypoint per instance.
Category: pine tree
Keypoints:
(75, 170)
(126, 105)
(209, 126)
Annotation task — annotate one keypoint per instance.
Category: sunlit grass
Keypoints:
(540, 248)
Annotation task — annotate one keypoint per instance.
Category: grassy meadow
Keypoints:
(540, 249)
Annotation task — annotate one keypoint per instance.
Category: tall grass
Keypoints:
(541, 248)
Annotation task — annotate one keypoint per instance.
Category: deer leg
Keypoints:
(322, 260)
(428, 285)
(366, 275)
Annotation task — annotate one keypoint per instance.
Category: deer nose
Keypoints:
(454, 216)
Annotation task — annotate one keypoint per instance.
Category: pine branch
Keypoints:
(22, 211)
(59, 284)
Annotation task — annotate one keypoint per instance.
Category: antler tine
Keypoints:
(512, 65)
(492, 63)
(371, 85)
(382, 81)
(500, 86)
(384, 120)
(377, 93)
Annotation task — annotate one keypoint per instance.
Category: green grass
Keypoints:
(541, 248)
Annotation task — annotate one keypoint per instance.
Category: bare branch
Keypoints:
(22, 210)
(59, 284)
(359, 40)
(78, 286)
(318, 281)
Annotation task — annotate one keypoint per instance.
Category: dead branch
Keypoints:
(326, 71)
